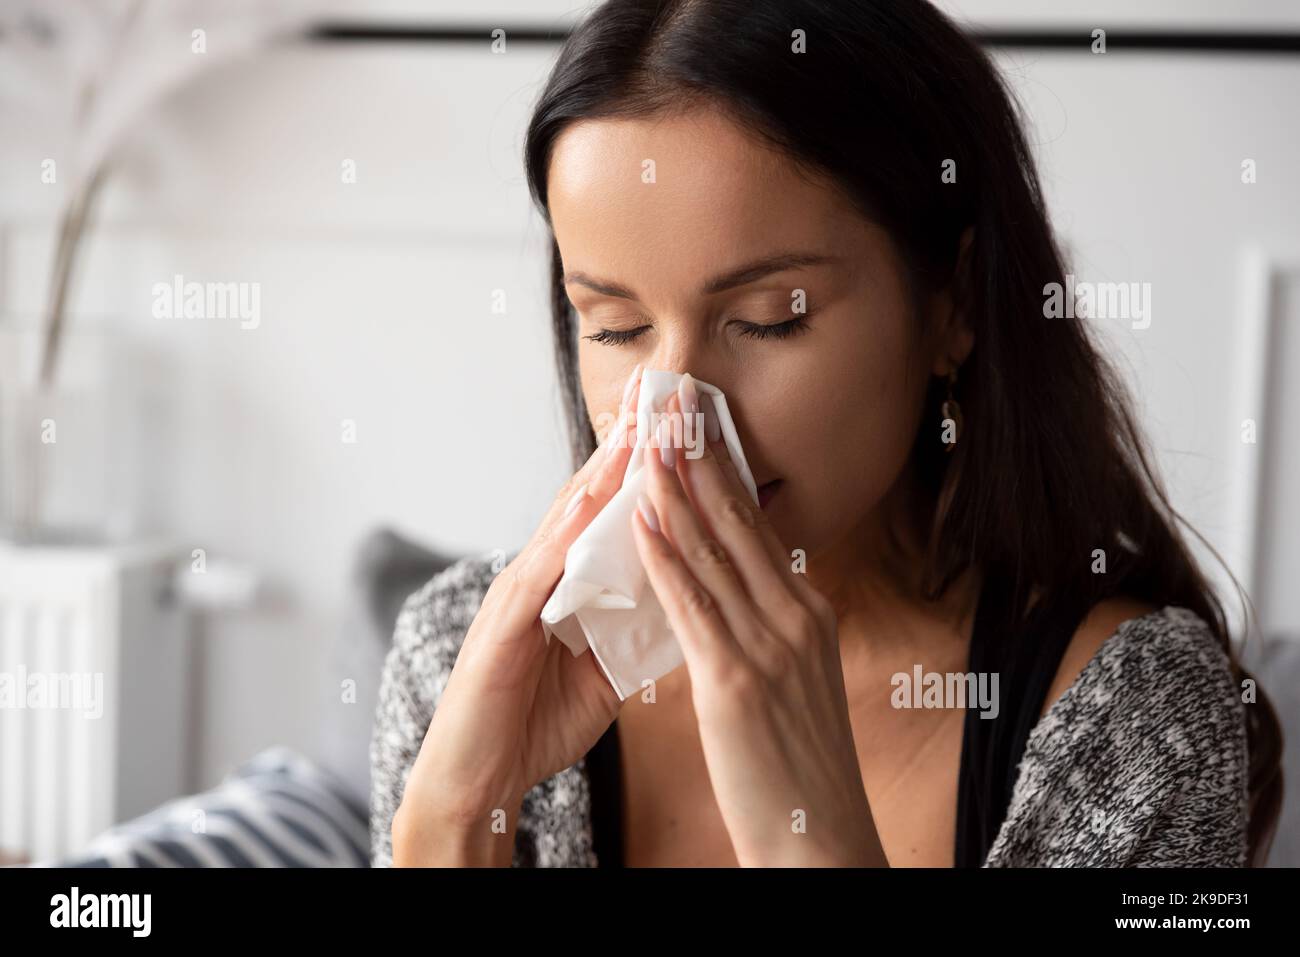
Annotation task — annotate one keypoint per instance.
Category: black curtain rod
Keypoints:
(1078, 39)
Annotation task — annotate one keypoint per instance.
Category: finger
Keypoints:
(604, 469)
(732, 516)
(713, 479)
(627, 406)
(697, 550)
(531, 577)
(744, 531)
(602, 474)
(695, 618)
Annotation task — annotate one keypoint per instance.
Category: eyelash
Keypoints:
(779, 330)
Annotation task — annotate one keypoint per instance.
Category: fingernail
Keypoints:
(666, 451)
(712, 428)
(686, 395)
(688, 401)
(648, 512)
(574, 502)
(631, 384)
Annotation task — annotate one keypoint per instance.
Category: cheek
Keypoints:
(843, 442)
(875, 420)
(603, 374)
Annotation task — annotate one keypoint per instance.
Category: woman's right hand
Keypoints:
(516, 709)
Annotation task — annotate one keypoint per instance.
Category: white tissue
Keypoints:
(604, 600)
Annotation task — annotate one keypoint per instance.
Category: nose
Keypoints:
(682, 350)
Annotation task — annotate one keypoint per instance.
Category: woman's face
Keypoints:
(683, 239)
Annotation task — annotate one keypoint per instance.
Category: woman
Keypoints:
(830, 213)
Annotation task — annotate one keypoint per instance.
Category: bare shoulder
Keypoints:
(1100, 624)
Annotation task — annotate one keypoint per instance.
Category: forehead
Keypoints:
(718, 196)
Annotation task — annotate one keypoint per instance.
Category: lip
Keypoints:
(767, 490)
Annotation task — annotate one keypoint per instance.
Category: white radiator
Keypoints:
(93, 693)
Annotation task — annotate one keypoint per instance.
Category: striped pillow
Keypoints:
(278, 809)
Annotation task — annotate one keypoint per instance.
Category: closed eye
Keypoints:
(616, 337)
(753, 330)
(780, 330)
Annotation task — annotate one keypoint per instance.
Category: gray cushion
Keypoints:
(278, 809)
(387, 569)
(1275, 663)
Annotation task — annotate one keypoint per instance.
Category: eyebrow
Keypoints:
(739, 276)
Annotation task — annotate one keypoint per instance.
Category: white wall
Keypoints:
(376, 302)
(376, 308)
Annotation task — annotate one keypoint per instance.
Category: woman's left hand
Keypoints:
(762, 649)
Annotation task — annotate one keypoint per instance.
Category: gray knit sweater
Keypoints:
(1142, 762)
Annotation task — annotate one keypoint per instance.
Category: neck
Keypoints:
(874, 578)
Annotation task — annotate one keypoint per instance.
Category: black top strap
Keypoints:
(604, 780)
(1026, 658)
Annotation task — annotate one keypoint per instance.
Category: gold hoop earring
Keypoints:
(951, 423)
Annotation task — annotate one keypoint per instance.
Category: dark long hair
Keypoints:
(1051, 463)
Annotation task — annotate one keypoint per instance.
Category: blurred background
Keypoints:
(217, 503)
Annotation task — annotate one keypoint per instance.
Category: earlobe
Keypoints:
(964, 244)
(949, 359)
(962, 341)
